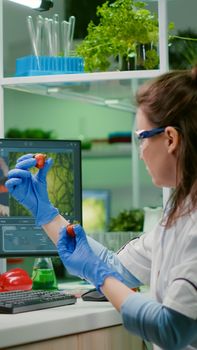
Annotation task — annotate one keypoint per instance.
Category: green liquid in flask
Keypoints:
(43, 275)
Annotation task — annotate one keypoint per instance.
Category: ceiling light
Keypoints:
(40, 5)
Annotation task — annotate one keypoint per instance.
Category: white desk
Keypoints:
(83, 326)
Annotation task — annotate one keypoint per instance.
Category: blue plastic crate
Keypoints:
(46, 65)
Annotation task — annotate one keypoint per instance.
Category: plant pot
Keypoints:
(127, 63)
(145, 57)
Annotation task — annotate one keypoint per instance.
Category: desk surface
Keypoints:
(55, 322)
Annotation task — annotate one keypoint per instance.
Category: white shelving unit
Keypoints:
(72, 85)
(109, 89)
(75, 86)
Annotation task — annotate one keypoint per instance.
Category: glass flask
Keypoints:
(43, 275)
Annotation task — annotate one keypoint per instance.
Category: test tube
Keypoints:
(71, 33)
(65, 32)
(39, 25)
(32, 35)
(55, 35)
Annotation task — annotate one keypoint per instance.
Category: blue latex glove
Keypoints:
(79, 259)
(111, 259)
(31, 190)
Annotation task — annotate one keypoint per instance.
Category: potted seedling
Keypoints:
(127, 32)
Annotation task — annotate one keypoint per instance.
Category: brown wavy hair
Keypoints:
(171, 100)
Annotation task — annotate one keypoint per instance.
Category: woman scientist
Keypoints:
(165, 258)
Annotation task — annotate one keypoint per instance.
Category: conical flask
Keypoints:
(43, 275)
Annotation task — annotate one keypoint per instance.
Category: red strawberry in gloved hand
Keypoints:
(40, 160)
(15, 279)
(70, 230)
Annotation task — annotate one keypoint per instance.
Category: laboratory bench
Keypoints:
(85, 325)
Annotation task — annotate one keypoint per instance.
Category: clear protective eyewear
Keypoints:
(140, 135)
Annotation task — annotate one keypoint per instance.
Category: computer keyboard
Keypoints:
(22, 301)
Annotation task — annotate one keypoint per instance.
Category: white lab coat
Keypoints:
(166, 259)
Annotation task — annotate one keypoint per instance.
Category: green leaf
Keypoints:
(128, 220)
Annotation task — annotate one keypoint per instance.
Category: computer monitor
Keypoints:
(18, 234)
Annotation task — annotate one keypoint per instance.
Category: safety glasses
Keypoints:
(140, 135)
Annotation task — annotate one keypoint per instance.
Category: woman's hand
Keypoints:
(31, 190)
(79, 259)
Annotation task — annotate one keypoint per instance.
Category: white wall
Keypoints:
(182, 12)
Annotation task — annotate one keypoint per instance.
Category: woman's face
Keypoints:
(158, 153)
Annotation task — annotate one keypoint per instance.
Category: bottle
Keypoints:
(43, 275)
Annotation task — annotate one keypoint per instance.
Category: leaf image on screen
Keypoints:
(60, 179)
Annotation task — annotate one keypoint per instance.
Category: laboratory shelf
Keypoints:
(80, 77)
(109, 89)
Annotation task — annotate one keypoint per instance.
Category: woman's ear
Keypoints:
(172, 139)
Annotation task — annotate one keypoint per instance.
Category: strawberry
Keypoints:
(70, 230)
(40, 159)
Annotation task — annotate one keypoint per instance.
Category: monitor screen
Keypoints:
(18, 234)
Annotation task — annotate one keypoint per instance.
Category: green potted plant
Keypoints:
(127, 220)
(124, 28)
(34, 133)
